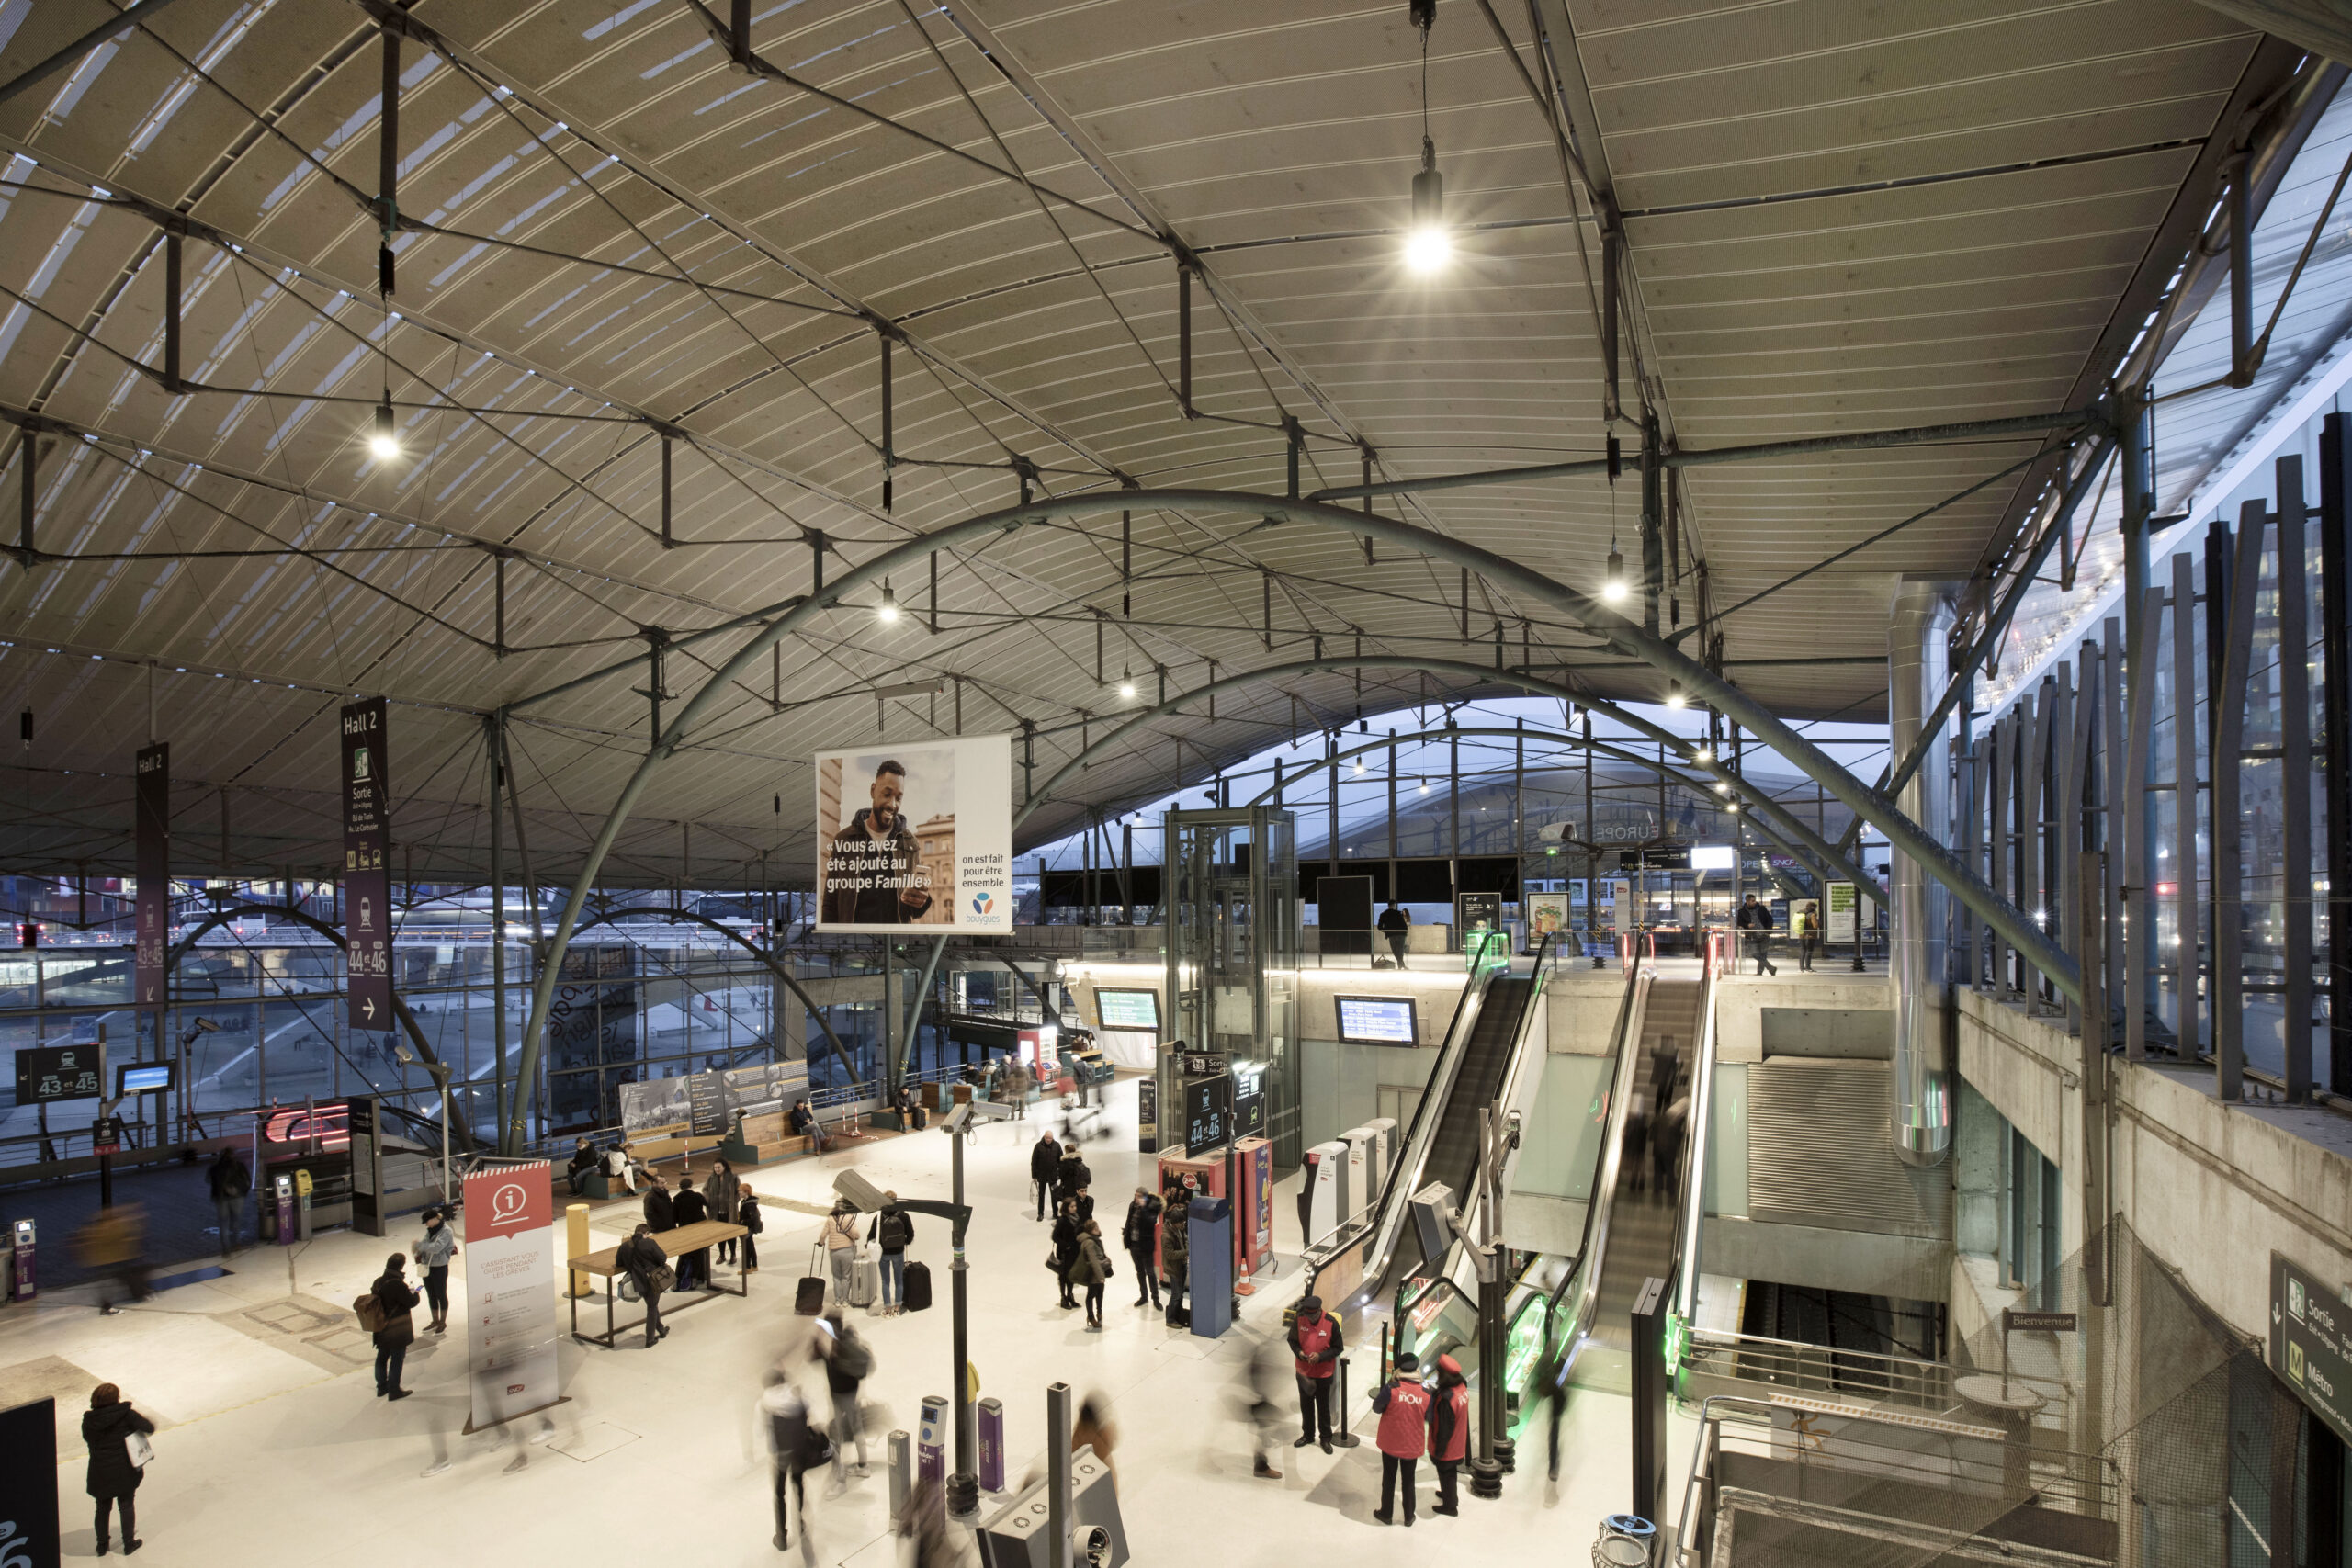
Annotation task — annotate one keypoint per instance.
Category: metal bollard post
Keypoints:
(1345, 1437)
(901, 1472)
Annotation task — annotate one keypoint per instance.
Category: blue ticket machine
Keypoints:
(1210, 1222)
(290, 1221)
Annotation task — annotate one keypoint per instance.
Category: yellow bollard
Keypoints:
(575, 1237)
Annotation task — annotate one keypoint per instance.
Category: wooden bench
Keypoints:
(673, 1243)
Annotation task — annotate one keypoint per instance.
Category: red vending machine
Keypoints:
(1253, 1229)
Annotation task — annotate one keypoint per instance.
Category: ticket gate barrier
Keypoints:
(1323, 1199)
(991, 1423)
(289, 1217)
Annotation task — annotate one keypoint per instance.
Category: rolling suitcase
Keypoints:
(809, 1296)
(864, 1280)
(918, 1286)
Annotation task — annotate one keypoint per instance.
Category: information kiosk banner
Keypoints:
(1838, 906)
(918, 834)
(510, 1291)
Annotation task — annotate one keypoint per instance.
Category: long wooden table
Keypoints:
(673, 1243)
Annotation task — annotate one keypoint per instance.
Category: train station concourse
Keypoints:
(971, 782)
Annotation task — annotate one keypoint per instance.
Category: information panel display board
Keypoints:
(366, 881)
(510, 1291)
(1208, 1111)
(46, 1073)
(1378, 1021)
(152, 830)
(1839, 904)
(1117, 1008)
(918, 834)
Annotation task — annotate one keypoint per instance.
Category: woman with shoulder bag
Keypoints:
(116, 1436)
(433, 1251)
(394, 1301)
(840, 1234)
(747, 1215)
(1092, 1270)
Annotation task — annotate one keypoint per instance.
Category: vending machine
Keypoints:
(1360, 1165)
(1253, 1233)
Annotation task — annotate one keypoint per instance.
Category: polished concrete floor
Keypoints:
(272, 1450)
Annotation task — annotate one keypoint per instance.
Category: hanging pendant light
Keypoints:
(1428, 247)
(888, 611)
(384, 440)
(1613, 587)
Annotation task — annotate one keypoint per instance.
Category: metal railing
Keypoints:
(1837, 1372)
(1958, 1457)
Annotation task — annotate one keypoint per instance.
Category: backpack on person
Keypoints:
(370, 1312)
(854, 1360)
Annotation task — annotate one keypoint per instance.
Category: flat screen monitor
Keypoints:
(1378, 1021)
(142, 1077)
(1711, 857)
(1127, 1009)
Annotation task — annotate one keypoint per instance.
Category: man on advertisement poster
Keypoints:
(916, 833)
(873, 868)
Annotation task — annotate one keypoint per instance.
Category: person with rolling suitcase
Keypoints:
(840, 1236)
(809, 1296)
(893, 1232)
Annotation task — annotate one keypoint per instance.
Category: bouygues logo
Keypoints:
(982, 903)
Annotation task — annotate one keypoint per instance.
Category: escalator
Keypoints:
(1643, 1219)
(1492, 1049)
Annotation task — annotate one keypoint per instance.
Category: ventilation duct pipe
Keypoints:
(1917, 636)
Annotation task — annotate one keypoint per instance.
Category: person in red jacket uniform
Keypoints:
(1449, 1432)
(1404, 1405)
(1314, 1347)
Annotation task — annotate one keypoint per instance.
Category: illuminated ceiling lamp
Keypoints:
(1127, 684)
(888, 611)
(1612, 586)
(1428, 247)
(384, 441)
(1674, 697)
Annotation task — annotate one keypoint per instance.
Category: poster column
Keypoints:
(366, 885)
(510, 1291)
(154, 831)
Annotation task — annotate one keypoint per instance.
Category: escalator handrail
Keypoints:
(1593, 1249)
(1420, 1134)
(1691, 1201)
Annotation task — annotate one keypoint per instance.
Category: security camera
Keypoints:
(863, 1196)
(403, 1056)
(956, 1121)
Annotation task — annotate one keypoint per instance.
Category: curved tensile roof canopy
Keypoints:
(626, 247)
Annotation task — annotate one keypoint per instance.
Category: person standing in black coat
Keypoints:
(1140, 1236)
(1065, 1246)
(747, 1215)
(658, 1215)
(641, 1259)
(107, 1427)
(395, 1301)
(1070, 1175)
(230, 1184)
(1044, 1164)
(689, 1209)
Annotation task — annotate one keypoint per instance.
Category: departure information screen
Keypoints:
(1127, 1009)
(1378, 1021)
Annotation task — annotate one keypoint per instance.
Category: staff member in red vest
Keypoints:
(1449, 1432)
(1314, 1347)
(1404, 1405)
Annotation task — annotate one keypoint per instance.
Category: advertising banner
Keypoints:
(1837, 911)
(154, 853)
(916, 835)
(367, 884)
(1546, 913)
(510, 1291)
(1253, 1237)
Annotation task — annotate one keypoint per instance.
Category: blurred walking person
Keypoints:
(394, 1301)
(114, 1243)
(109, 1429)
(847, 1362)
(783, 1418)
(1264, 1380)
